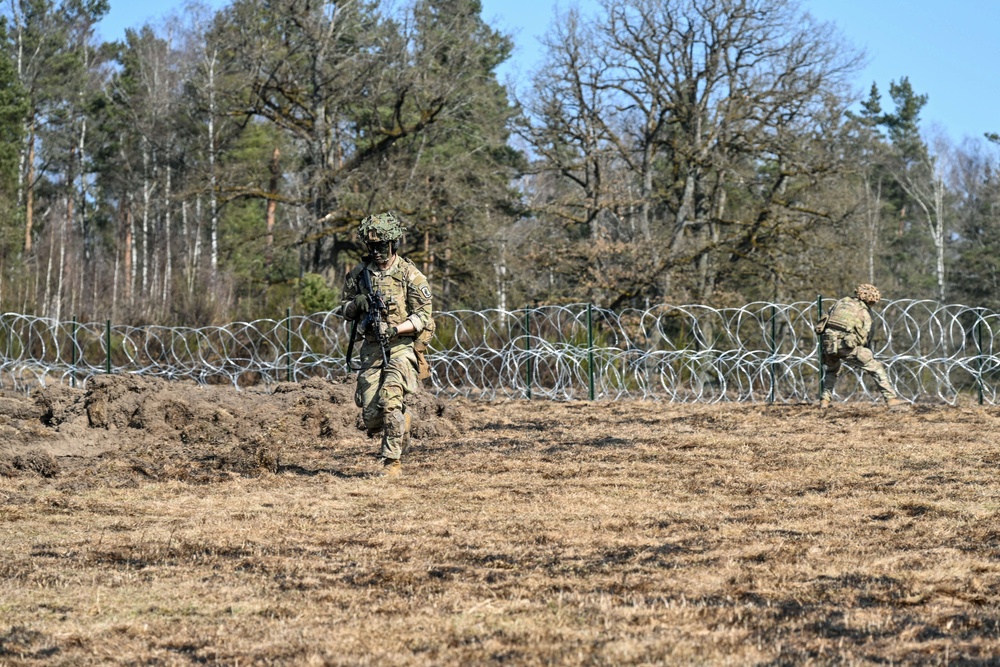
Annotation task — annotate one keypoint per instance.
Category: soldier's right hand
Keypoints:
(361, 303)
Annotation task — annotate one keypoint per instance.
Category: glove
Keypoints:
(392, 332)
(361, 303)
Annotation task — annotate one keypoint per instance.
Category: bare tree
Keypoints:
(925, 184)
(872, 212)
(704, 125)
(975, 179)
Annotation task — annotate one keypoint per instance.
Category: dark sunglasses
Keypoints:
(380, 247)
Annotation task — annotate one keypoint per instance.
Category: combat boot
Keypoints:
(392, 467)
(895, 402)
(824, 403)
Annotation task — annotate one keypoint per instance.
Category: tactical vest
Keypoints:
(393, 284)
(848, 315)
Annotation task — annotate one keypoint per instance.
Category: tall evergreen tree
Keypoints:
(454, 178)
(922, 200)
(13, 110)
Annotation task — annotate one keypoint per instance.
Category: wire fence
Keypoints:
(761, 352)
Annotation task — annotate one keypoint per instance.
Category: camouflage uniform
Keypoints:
(845, 336)
(380, 391)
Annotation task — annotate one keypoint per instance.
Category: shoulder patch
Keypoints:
(426, 291)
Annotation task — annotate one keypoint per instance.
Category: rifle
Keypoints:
(376, 319)
(350, 343)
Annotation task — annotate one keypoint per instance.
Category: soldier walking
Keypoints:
(390, 300)
(846, 337)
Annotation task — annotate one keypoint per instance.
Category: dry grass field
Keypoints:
(146, 523)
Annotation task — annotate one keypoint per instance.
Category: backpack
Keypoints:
(847, 316)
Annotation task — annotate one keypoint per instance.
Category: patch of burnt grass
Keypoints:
(181, 553)
(18, 570)
(23, 643)
(915, 509)
(862, 590)
(496, 560)
(532, 426)
(197, 653)
(834, 624)
(36, 461)
(446, 572)
(605, 442)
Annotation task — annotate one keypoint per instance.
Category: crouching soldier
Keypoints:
(846, 336)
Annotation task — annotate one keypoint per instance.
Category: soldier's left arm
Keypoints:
(418, 303)
(418, 300)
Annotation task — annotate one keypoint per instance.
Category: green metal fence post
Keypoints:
(72, 374)
(288, 342)
(979, 344)
(819, 346)
(590, 350)
(527, 349)
(774, 336)
(107, 338)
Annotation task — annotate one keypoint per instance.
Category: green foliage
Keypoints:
(217, 173)
(13, 109)
(253, 265)
(904, 124)
(315, 296)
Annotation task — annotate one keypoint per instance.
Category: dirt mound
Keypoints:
(125, 428)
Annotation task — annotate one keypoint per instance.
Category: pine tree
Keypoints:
(922, 200)
(13, 110)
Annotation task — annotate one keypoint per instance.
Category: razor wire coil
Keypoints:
(758, 352)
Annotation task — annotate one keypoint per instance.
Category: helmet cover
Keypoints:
(867, 293)
(381, 227)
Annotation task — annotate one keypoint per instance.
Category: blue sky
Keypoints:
(952, 55)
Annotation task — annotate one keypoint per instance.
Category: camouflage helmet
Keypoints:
(381, 227)
(867, 293)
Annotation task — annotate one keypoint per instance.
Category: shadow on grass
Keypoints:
(333, 472)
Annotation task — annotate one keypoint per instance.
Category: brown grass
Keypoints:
(629, 533)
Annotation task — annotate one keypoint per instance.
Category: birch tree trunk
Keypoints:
(130, 249)
(67, 222)
(167, 242)
(196, 252)
(873, 218)
(47, 297)
(115, 273)
(146, 196)
(929, 195)
(213, 176)
(29, 195)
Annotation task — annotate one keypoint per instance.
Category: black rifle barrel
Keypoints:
(377, 314)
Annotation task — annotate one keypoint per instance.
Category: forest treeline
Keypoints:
(214, 167)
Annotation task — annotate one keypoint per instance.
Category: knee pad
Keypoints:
(373, 419)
